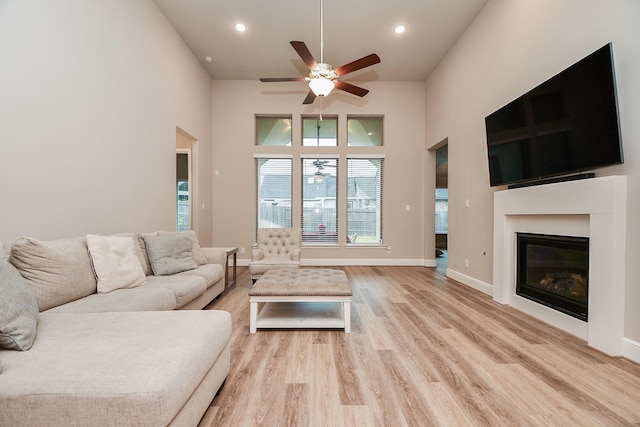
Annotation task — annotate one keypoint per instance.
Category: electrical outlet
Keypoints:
(242, 250)
(466, 263)
(388, 248)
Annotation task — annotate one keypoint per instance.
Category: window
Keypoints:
(319, 196)
(274, 192)
(442, 210)
(364, 200)
(364, 131)
(321, 211)
(273, 130)
(319, 131)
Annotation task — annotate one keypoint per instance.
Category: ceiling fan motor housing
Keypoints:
(323, 71)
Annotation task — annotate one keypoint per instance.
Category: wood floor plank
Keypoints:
(425, 351)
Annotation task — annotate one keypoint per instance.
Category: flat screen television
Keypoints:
(567, 125)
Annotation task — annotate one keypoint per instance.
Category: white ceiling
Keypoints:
(352, 29)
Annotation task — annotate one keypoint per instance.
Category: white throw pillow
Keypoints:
(115, 262)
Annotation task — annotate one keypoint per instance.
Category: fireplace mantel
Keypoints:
(594, 208)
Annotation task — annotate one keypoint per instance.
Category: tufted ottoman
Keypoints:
(303, 298)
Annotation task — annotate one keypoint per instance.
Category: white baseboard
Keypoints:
(470, 281)
(430, 263)
(361, 262)
(631, 350)
(244, 262)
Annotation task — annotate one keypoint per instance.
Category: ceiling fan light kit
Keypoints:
(321, 86)
(323, 78)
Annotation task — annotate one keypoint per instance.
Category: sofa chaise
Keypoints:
(97, 331)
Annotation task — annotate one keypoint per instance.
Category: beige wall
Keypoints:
(235, 105)
(92, 93)
(512, 47)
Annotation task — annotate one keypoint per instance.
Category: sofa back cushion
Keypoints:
(197, 253)
(169, 253)
(57, 271)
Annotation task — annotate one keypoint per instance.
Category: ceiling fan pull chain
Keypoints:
(322, 31)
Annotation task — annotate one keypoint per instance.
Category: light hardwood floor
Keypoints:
(423, 351)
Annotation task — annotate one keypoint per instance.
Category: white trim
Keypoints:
(631, 350)
(430, 263)
(319, 155)
(273, 156)
(366, 156)
(476, 284)
(361, 262)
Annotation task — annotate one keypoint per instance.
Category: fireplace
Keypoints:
(554, 271)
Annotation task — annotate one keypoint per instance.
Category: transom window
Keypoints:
(364, 131)
(273, 130)
(320, 131)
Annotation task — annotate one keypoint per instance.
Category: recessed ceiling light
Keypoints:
(208, 59)
(399, 29)
(241, 27)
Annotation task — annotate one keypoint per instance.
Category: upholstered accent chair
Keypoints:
(276, 248)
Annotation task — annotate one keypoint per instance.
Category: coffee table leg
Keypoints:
(253, 317)
(346, 306)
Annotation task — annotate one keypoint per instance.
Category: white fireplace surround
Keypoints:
(594, 208)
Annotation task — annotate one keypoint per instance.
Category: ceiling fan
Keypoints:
(323, 78)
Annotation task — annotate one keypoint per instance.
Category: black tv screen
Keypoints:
(568, 124)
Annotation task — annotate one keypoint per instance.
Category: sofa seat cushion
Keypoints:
(212, 273)
(185, 289)
(57, 271)
(116, 369)
(272, 263)
(142, 298)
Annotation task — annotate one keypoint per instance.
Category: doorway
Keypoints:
(442, 208)
(185, 185)
(183, 189)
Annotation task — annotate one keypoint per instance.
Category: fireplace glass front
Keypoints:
(554, 271)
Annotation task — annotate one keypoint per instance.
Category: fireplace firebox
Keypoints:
(554, 271)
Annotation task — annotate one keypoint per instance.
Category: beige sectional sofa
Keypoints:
(96, 331)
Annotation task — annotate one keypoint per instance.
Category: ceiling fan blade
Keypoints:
(304, 53)
(281, 79)
(358, 64)
(310, 98)
(348, 87)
